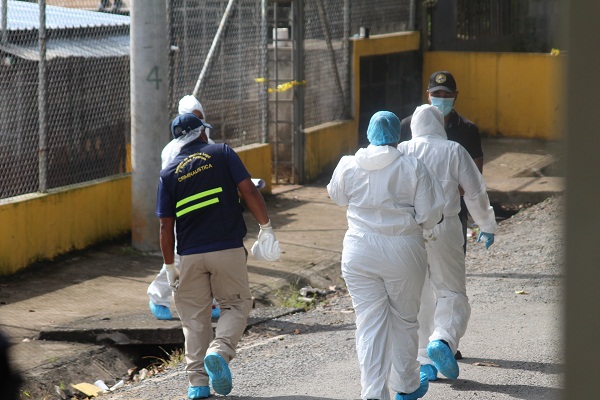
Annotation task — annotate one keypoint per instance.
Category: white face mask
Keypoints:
(445, 104)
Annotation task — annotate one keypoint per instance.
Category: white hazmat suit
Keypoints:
(446, 318)
(390, 199)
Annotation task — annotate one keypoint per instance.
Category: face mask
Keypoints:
(444, 104)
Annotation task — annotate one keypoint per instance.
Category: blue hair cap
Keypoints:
(384, 128)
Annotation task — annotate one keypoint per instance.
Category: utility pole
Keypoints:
(149, 115)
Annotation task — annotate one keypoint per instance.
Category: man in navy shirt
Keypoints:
(199, 190)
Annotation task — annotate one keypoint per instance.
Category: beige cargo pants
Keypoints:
(224, 276)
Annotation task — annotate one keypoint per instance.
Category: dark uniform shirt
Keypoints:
(199, 189)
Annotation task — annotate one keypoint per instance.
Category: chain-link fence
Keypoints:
(64, 115)
(328, 26)
(64, 77)
(233, 101)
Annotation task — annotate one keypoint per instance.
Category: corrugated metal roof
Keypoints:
(112, 46)
(24, 15)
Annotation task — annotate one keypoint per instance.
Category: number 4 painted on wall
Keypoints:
(154, 77)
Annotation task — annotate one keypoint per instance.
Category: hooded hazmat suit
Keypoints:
(447, 318)
(390, 199)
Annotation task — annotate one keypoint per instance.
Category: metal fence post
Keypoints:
(264, 91)
(149, 115)
(42, 101)
(298, 67)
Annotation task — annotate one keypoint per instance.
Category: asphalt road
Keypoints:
(512, 348)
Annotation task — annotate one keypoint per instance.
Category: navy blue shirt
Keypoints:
(199, 189)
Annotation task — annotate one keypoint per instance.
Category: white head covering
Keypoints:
(427, 120)
(188, 104)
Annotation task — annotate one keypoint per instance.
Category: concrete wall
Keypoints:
(42, 226)
(325, 145)
(517, 95)
(257, 159)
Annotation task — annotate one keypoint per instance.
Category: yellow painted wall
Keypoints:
(518, 95)
(257, 159)
(326, 144)
(43, 226)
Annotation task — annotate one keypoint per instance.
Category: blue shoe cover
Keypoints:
(160, 312)
(430, 372)
(417, 394)
(198, 392)
(443, 359)
(216, 312)
(218, 371)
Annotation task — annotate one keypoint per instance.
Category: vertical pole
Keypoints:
(149, 115)
(349, 103)
(411, 15)
(172, 55)
(4, 20)
(276, 162)
(264, 93)
(298, 65)
(42, 101)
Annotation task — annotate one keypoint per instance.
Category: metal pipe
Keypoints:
(276, 160)
(213, 47)
(298, 62)
(4, 20)
(42, 101)
(347, 55)
(264, 89)
(411, 15)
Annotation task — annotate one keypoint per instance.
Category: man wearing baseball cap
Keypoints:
(198, 201)
(159, 292)
(442, 93)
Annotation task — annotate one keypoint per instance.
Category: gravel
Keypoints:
(512, 349)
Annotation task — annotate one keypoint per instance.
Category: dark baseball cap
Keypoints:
(186, 123)
(442, 80)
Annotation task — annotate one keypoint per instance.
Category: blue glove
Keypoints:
(488, 238)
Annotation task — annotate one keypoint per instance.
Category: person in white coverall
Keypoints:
(445, 308)
(159, 291)
(390, 198)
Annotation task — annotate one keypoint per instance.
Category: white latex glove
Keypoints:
(266, 247)
(172, 276)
